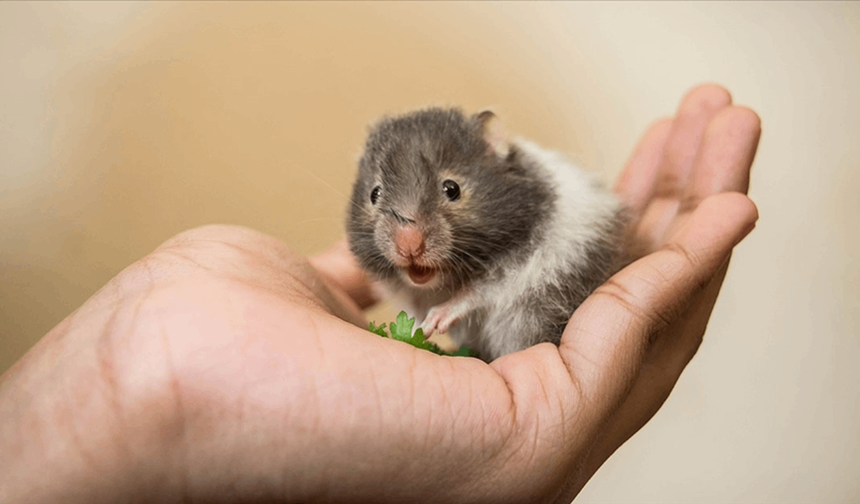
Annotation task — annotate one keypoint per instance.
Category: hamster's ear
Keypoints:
(493, 133)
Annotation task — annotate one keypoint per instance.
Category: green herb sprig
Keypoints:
(401, 330)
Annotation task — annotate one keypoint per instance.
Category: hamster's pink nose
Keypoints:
(409, 242)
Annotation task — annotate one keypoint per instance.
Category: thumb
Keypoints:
(340, 267)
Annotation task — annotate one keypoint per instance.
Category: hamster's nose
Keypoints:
(409, 242)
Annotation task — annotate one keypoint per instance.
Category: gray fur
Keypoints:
(531, 238)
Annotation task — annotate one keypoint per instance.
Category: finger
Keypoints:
(694, 113)
(696, 110)
(725, 158)
(340, 267)
(636, 183)
(605, 342)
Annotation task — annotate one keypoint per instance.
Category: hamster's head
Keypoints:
(439, 199)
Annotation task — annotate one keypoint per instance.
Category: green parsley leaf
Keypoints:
(401, 330)
(380, 330)
(464, 352)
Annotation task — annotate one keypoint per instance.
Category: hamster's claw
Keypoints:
(441, 318)
(434, 321)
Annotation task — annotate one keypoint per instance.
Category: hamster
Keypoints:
(496, 242)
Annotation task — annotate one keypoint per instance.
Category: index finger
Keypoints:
(725, 158)
(339, 266)
(607, 337)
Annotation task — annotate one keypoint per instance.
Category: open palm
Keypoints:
(224, 367)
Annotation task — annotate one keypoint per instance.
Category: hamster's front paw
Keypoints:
(438, 319)
(441, 318)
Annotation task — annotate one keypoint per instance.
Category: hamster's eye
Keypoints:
(452, 190)
(374, 194)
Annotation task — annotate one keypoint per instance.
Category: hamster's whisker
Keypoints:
(464, 266)
(318, 219)
(325, 182)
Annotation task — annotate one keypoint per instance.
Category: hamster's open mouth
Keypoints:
(420, 275)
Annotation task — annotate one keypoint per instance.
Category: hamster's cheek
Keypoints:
(439, 243)
(383, 235)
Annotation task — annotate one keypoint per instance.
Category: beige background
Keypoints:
(124, 123)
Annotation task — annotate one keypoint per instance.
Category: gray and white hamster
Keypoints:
(495, 242)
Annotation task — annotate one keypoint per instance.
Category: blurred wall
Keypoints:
(125, 123)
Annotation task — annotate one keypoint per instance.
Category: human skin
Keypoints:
(223, 367)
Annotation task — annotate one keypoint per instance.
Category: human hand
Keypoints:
(224, 367)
